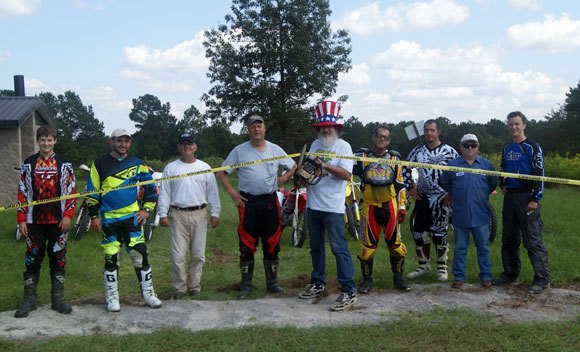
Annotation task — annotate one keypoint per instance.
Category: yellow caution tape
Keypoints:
(562, 181)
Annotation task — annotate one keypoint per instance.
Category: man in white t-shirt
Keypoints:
(181, 206)
(257, 202)
(325, 208)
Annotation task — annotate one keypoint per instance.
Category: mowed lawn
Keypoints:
(435, 331)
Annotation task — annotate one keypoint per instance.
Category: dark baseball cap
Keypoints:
(186, 137)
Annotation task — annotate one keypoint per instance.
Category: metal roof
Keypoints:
(14, 111)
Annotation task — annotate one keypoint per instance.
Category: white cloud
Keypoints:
(461, 83)
(189, 55)
(552, 35)
(134, 74)
(526, 4)
(18, 7)
(371, 18)
(34, 84)
(357, 76)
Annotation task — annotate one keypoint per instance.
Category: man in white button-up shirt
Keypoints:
(181, 207)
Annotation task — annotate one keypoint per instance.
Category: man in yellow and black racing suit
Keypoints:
(121, 216)
(383, 208)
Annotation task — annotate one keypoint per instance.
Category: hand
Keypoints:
(23, 228)
(96, 224)
(214, 222)
(64, 224)
(239, 201)
(401, 214)
(532, 207)
(447, 200)
(142, 215)
(164, 221)
(414, 193)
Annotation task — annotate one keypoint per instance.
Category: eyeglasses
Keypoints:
(469, 145)
(382, 137)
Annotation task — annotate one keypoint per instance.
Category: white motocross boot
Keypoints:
(442, 251)
(147, 291)
(424, 267)
(111, 291)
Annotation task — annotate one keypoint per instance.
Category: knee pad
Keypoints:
(138, 255)
(398, 250)
(366, 253)
(111, 262)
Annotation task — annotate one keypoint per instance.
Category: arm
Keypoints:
(93, 201)
(23, 197)
(336, 171)
(284, 178)
(164, 200)
(213, 199)
(235, 195)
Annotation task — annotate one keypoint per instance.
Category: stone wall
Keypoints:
(17, 144)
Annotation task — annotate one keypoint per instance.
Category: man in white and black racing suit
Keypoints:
(430, 216)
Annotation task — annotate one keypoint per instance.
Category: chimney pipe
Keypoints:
(19, 86)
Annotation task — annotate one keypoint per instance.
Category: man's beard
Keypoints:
(328, 140)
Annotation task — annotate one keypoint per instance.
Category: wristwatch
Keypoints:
(147, 210)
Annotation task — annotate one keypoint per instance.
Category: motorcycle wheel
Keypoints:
(352, 224)
(83, 224)
(299, 235)
(492, 224)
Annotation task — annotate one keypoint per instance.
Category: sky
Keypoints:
(411, 60)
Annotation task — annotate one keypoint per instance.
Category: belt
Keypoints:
(197, 207)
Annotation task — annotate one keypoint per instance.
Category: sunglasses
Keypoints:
(381, 137)
(469, 145)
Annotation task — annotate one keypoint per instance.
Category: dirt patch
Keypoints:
(509, 305)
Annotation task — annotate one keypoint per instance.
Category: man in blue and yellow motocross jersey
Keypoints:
(121, 216)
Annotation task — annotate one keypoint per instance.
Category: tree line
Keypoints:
(262, 61)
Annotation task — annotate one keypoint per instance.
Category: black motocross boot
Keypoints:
(247, 270)
(397, 264)
(367, 274)
(57, 293)
(271, 269)
(29, 299)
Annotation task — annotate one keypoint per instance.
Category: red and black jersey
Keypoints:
(46, 178)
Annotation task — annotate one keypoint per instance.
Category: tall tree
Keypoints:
(269, 58)
(157, 129)
(80, 133)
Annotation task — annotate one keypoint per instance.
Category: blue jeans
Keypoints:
(481, 239)
(320, 222)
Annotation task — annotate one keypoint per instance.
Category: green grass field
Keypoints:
(440, 330)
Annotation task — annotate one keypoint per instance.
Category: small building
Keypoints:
(20, 117)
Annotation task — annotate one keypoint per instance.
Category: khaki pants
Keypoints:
(188, 235)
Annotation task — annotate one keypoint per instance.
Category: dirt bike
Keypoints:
(352, 212)
(83, 220)
(293, 213)
(152, 221)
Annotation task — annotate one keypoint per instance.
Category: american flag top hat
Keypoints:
(327, 112)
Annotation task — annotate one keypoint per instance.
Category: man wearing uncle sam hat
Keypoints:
(325, 207)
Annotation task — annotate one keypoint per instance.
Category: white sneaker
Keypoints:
(420, 271)
(344, 301)
(312, 291)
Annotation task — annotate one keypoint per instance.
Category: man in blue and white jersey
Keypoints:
(521, 207)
